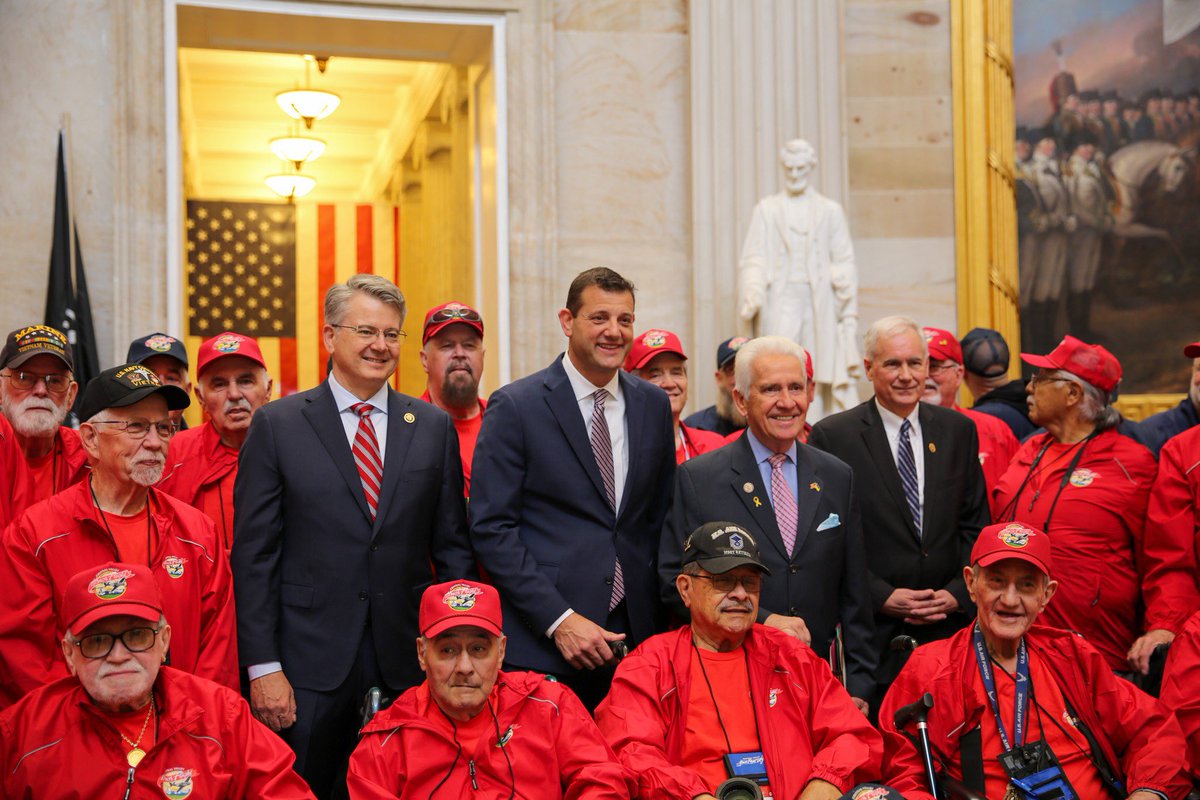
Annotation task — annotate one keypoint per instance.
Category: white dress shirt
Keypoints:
(891, 427)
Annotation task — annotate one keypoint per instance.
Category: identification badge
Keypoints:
(750, 764)
(1035, 774)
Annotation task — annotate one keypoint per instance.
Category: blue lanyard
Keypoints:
(1021, 698)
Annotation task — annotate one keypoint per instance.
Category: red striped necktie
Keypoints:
(366, 455)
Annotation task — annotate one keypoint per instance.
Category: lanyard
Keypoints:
(1021, 690)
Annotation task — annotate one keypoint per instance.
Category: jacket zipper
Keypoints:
(470, 769)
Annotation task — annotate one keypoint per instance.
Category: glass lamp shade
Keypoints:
(290, 186)
(308, 104)
(297, 149)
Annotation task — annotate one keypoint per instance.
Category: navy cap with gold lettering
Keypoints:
(125, 385)
(721, 546)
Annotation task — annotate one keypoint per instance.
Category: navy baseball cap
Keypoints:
(156, 344)
(727, 350)
(985, 353)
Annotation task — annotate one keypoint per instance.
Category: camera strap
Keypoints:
(1107, 774)
(1021, 690)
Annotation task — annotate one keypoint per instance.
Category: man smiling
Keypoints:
(472, 730)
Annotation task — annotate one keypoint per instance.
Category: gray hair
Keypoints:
(1096, 407)
(383, 290)
(748, 353)
(886, 328)
(801, 148)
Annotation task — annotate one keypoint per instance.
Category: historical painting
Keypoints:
(1107, 108)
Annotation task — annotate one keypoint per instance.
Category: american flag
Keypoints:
(262, 269)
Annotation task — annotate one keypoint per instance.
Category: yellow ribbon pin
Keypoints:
(757, 503)
(816, 487)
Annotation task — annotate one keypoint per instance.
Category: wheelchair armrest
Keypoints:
(955, 790)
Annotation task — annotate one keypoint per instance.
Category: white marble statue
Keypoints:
(796, 278)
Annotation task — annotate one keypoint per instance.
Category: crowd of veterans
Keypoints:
(568, 590)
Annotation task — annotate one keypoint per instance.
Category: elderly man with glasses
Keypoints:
(123, 725)
(115, 515)
(37, 390)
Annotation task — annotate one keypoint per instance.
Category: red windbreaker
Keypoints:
(14, 497)
(1095, 534)
(207, 745)
(997, 446)
(196, 461)
(696, 441)
(1138, 737)
(550, 741)
(1181, 687)
(60, 537)
(808, 726)
(1172, 588)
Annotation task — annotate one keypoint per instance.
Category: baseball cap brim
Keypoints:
(725, 563)
(650, 355)
(95, 614)
(177, 399)
(461, 620)
(1041, 362)
(17, 361)
(1002, 555)
(1192, 350)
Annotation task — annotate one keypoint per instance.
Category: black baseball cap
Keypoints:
(35, 340)
(727, 350)
(156, 344)
(985, 353)
(125, 385)
(721, 546)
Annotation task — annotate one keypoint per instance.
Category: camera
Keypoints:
(739, 788)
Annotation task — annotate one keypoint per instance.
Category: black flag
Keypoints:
(67, 304)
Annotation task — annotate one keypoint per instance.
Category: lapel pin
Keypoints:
(411, 418)
(816, 487)
(932, 447)
(757, 503)
(747, 487)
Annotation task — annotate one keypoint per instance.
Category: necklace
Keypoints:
(136, 754)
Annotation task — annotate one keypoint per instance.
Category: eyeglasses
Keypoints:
(99, 645)
(140, 428)
(1037, 379)
(369, 333)
(938, 367)
(447, 314)
(726, 583)
(55, 384)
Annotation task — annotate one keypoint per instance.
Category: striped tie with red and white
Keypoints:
(366, 455)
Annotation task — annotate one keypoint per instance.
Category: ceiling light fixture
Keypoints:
(290, 185)
(308, 104)
(297, 149)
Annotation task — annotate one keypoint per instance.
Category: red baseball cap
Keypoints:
(448, 314)
(808, 367)
(1091, 362)
(448, 605)
(1192, 350)
(942, 345)
(1012, 540)
(110, 590)
(228, 344)
(651, 343)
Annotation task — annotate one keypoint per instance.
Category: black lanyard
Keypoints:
(1012, 506)
(1021, 690)
(713, 696)
(104, 519)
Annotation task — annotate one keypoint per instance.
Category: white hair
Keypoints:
(1095, 407)
(748, 353)
(886, 328)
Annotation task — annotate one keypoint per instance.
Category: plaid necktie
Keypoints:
(787, 515)
(602, 450)
(366, 456)
(907, 465)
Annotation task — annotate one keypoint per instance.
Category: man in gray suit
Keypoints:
(798, 501)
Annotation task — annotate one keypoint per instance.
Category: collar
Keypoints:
(762, 452)
(344, 399)
(892, 421)
(582, 387)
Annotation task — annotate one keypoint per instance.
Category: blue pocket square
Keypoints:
(832, 521)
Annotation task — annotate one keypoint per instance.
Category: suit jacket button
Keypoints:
(793, 569)
(608, 581)
(362, 595)
(374, 547)
(793, 612)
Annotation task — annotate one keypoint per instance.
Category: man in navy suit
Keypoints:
(570, 486)
(348, 498)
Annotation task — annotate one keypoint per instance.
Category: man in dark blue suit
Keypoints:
(570, 486)
(348, 498)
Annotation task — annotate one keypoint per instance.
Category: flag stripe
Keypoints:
(365, 256)
(395, 235)
(287, 383)
(269, 345)
(308, 300)
(347, 241)
(326, 265)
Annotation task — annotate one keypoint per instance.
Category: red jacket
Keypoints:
(1172, 588)
(55, 743)
(60, 537)
(997, 446)
(809, 727)
(1095, 534)
(1181, 687)
(195, 461)
(554, 749)
(14, 497)
(695, 442)
(1138, 737)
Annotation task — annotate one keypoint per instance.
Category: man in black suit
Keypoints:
(348, 497)
(926, 500)
(809, 538)
(569, 489)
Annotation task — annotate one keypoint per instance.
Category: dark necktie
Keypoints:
(366, 456)
(907, 465)
(602, 450)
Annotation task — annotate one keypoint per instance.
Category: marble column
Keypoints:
(762, 73)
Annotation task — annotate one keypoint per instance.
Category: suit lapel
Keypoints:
(399, 437)
(322, 414)
(877, 445)
(635, 421)
(561, 400)
(758, 499)
(808, 498)
(935, 464)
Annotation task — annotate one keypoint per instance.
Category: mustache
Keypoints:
(459, 363)
(241, 404)
(736, 605)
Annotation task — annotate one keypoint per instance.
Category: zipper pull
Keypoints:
(470, 769)
(129, 783)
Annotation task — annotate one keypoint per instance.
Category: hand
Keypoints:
(792, 626)
(750, 305)
(818, 789)
(272, 701)
(907, 603)
(583, 643)
(1143, 648)
(862, 705)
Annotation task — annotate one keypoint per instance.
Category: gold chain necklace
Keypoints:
(136, 754)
